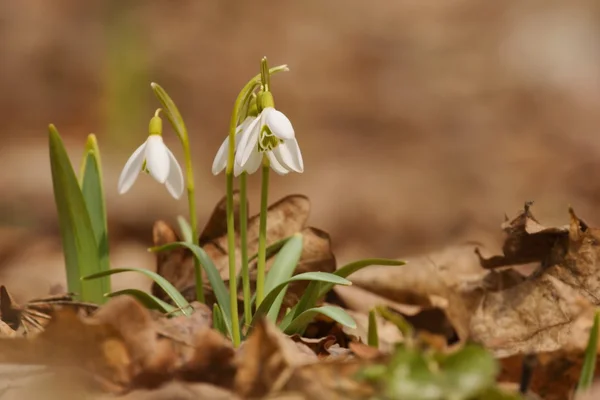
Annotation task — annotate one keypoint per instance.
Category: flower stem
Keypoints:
(235, 318)
(242, 98)
(193, 217)
(244, 246)
(262, 233)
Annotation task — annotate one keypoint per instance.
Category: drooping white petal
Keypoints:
(132, 169)
(276, 165)
(248, 142)
(157, 158)
(241, 127)
(174, 182)
(278, 123)
(254, 162)
(220, 161)
(288, 153)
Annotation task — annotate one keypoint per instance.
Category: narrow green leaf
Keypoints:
(93, 194)
(299, 324)
(355, 266)
(171, 110)
(401, 323)
(272, 248)
(78, 239)
(186, 229)
(148, 300)
(589, 362)
(217, 284)
(372, 333)
(281, 270)
(165, 285)
(309, 299)
(269, 300)
(218, 320)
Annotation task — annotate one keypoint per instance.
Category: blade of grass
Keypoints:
(212, 273)
(299, 324)
(148, 300)
(282, 269)
(78, 239)
(93, 194)
(269, 301)
(589, 362)
(372, 333)
(218, 320)
(186, 229)
(355, 266)
(165, 285)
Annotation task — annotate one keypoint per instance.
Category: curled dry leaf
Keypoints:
(35, 314)
(270, 362)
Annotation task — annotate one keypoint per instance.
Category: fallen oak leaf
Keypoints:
(266, 359)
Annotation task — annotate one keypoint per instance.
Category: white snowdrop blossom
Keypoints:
(271, 134)
(154, 157)
(220, 162)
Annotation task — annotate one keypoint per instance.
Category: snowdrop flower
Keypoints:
(155, 158)
(271, 134)
(220, 162)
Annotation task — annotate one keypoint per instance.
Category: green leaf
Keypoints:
(589, 362)
(93, 194)
(171, 110)
(186, 229)
(148, 300)
(372, 333)
(355, 266)
(217, 284)
(218, 320)
(78, 239)
(316, 291)
(165, 285)
(299, 324)
(272, 248)
(269, 300)
(282, 269)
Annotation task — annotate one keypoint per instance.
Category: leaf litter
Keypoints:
(451, 298)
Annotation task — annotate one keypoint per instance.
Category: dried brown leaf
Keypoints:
(212, 360)
(217, 223)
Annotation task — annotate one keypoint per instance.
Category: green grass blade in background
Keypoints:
(218, 320)
(589, 362)
(355, 266)
(78, 239)
(281, 270)
(148, 300)
(93, 193)
(298, 325)
(165, 285)
(372, 333)
(268, 303)
(186, 229)
(217, 284)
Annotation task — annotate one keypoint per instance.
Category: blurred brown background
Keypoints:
(421, 122)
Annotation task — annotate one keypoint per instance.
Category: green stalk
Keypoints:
(235, 319)
(262, 233)
(189, 173)
(241, 99)
(244, 246)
